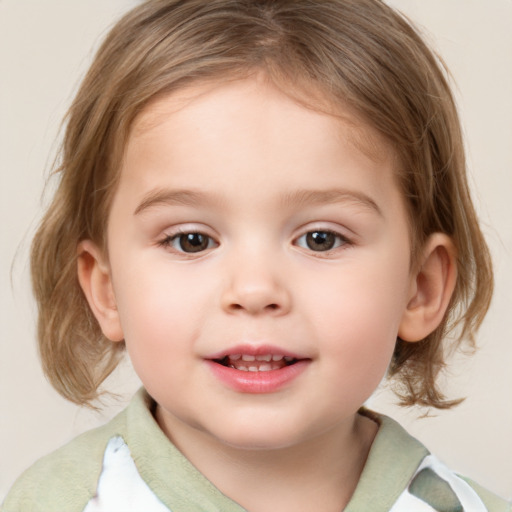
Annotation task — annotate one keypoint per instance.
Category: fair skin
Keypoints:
(246, 224)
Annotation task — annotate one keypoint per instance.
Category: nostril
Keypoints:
(255, 300)
(239, 307)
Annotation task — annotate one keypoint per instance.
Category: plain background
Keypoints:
(45, 48)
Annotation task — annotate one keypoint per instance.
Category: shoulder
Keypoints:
(442, 489)
(406, 476)
(64, 480)
(67, 478)
(493, 502)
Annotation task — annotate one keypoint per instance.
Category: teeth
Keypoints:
(265, 357)
(259, 363)
(262, 368)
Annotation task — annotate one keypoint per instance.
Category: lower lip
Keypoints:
(258, 382)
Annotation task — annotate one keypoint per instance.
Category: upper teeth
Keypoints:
(265, 357)
(259, 363)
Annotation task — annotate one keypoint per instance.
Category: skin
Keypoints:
(259, 175)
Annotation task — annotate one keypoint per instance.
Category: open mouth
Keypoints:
(256, 363)
(257, 370)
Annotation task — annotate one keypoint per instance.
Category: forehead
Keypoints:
(350, 125)
(228, 136)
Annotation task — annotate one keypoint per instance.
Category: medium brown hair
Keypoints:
(357, 53)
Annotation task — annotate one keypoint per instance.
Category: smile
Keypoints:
(262, 369)
(256, 363)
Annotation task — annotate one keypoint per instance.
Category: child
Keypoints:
(265, 202)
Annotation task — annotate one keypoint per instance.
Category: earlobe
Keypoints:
(96, 281)
(432, 286)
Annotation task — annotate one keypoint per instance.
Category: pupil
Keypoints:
(193, 242)
(320, 240)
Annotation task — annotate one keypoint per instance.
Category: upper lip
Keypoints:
(255, 350)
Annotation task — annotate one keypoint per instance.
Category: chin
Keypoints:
(262, 439)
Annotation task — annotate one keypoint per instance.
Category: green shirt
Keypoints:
(399, 472)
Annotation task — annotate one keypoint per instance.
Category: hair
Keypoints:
(356, 53)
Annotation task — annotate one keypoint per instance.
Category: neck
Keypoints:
(319, 474)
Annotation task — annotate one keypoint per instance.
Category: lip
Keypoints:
(256, 382)
(255, 350)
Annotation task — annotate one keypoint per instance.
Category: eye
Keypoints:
(321, 241)
(192, 242)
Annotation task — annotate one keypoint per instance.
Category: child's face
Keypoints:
(247, 225)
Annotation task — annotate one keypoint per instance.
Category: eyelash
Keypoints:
(336, 239)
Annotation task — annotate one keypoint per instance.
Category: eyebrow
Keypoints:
(299, 198)
(170, 197)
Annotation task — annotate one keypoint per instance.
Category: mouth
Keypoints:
(257, 369)
(256, 363)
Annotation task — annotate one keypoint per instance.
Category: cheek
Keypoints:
(159, 313)
(358, 351)
(361, 345)
(357, 316)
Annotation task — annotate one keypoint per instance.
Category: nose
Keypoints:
(256, 287)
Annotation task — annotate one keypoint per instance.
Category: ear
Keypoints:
(95, 279)
(432, 287)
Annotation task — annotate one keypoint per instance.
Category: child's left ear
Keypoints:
(432, 287)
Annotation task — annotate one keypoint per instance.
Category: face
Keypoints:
(259, 261)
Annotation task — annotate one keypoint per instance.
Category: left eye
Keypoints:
(321, 241)
(190, 242)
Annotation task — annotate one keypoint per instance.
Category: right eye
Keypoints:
(192, 242)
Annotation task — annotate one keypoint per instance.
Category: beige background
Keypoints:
(45, 48)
